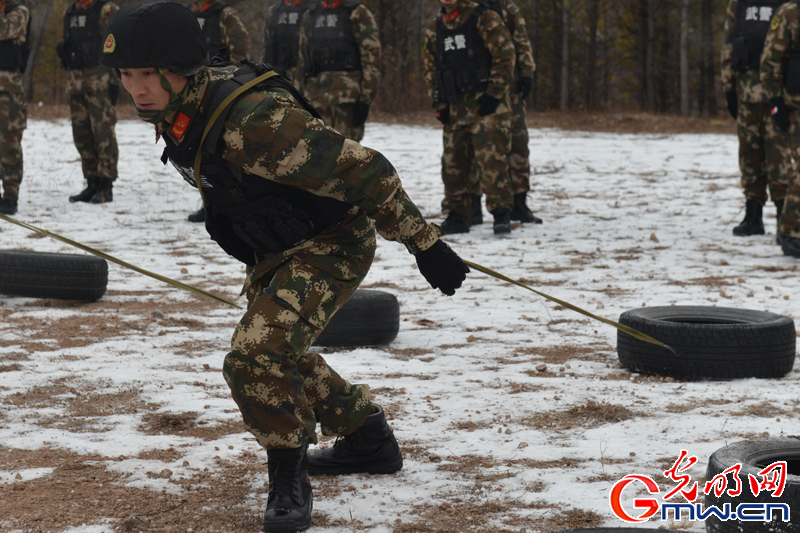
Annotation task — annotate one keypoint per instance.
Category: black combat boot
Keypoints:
(476, 215)
(103, 192)
(752, 223)
(371, 449)
(455, 223)
(290, 500)
(502, 221)
(790, 246)
(8, 206)
(521, 211)
(198, 216)
(86, 194)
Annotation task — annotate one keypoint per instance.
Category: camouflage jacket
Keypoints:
(782, 39)
(14, 27)
(338, 87)
(497, 40)
(93, 79)
(232, 31)
(512, 16)
(747, 84)
(268, 134)
(293, 73)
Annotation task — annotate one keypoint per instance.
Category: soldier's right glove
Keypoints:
(443, 115)
(487, 105)
(360, 113)
(732, 104)
(525, 86)
(780, 113)
(442, 267)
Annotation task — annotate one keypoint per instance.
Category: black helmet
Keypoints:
(154, 34)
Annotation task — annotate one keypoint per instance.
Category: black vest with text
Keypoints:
(209, 21)
(14, 57)
(283, 46)
(331, 43)
(463, 63)
(82, 37)
(247, 215)
(752, 24)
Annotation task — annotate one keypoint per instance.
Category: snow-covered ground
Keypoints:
(629, 221)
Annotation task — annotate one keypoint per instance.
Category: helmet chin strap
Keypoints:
(175, 100)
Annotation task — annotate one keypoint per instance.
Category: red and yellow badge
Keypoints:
(180, 125)
(110, 45)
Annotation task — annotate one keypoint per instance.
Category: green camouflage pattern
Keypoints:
(747, 85)
(13, 27)
(340, 118)
(789, 224)
(13, 109)
(497, 40)
(94, 79)
(515, 22)
(281, 389)
(765, 155)
(93, 122)
(335, 88)
(294, 74)
(232, 31)
(782, 38)
(519, 163)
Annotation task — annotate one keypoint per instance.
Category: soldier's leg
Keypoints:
(789, 229)
(492, 138)
(751, 131)
(82, 134)
(780, 166)
(342, 121)
(13, 120)
(103, 118)
(519, 164)
(457, 159)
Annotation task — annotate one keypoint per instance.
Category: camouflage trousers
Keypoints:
(789, 223)
(340, 118)
(519, 162)
(13, 121)
(473, 154)
(764, 154)
(281, 389)
(93, 120)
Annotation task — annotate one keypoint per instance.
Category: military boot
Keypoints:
(86, 194)
(103, 193)
(198, 216)
(290, 500)
(8, 206)
(521, 211)
(752, 223)
(502, 221)
(371, 449)
(790, 246)
(455, 223)
(476, 215)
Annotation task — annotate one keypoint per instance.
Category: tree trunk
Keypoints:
(37, 30)
(709, 66)
(591, 70)
(564, 55)
(685, 29)
(533, 35)
(650, 57)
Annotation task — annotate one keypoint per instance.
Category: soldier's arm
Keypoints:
(522, 44)
(106, 13)
(365, 31)
(497, 40)
(728, 75)
(429, 64)
(234, 34)
(14, 25)
(781, 39)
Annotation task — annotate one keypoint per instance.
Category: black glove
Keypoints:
(360, 113)
(525, 86)
(113, 93)
(780, 113)
(487, 105)
(732, 103)
(442, 267)
(443, 115)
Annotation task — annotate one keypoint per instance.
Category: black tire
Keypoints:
(57, 276)
(717, 343)
(754, 456)
(368, 318)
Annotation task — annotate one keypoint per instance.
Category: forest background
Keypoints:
(653, 56)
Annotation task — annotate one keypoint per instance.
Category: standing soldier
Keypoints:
(780, 77)
(519, 165)
(14, 30)
(469, 62)
(340, 63)
(764, 152)
(226, 37)
(299, 204)
(93, 92)
(282, 36)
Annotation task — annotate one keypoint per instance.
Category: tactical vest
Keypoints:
(331, 44)
(283, 45)
(463, 63)
(14, 57)
(209, 21)
(247, 215)
(82, 37)
(752, 24)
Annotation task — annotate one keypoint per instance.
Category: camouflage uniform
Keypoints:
(232, 31)
(335, 92)
(293, 17)
(92, 111)
(473, 143)
(13, 110)
(281, 389)
(782, 39)
(764, 152)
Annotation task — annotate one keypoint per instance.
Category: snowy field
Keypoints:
(513, 414)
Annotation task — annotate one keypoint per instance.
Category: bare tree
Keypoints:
(565, 55)
(685, 29)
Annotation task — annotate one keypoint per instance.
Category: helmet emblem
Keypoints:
(110, 44)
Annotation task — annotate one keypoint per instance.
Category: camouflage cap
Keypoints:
(154, 34)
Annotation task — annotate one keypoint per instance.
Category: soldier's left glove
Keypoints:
(525, 86)
(443, 115)
(442, 267)
(360, 113)
(732, 104)
(780, 113)
(487, 105)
